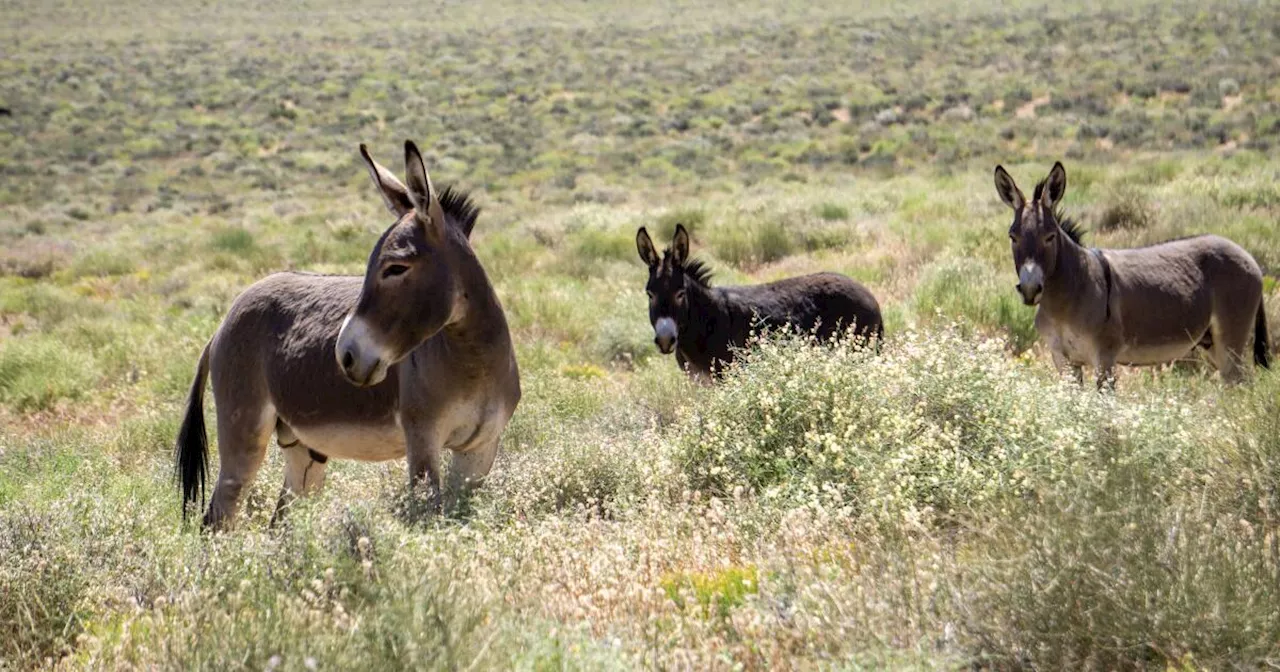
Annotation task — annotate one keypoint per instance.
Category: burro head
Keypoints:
(1036, 236)
(410, 289)
(667, 286)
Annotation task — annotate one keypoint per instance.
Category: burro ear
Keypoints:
(1008, 189)
(680, 245)
(644, 245)
(423, 196)
(393, 192)
(1055, 186)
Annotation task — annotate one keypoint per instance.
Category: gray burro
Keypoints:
(1147, 305)
(408, 361)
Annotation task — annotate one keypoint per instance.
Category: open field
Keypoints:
(948, 503)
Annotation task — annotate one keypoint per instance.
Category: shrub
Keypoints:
(571, 470)
(833, 212)
(234, 240)
(35, 259)
(943, 422)
(752, 242)
(1126, 207)
(625, 339)
(664, 227)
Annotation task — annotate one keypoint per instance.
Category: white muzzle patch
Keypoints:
(664, 334)
(361, 356)
(1031, 282)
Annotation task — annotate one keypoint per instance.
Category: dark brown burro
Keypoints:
(412, 359)
(706, 325)
(1142, 306)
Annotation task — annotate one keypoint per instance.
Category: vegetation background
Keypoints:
(946, 504)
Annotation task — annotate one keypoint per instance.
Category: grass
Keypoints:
(949, 502)
(1126, 207)
(36, 373)
(833, 212)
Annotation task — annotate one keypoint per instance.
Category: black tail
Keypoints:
(1261, 340)
(192, 451)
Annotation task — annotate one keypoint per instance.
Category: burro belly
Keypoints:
(1146, 354)
(370, 443)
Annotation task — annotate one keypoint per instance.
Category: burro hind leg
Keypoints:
(1230, 346)
(303, 471)
(243, 434)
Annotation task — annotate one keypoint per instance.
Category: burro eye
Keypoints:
(680, 295)
(393, 270)
(1050, 237)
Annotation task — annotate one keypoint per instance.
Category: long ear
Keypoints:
(393, 191)
(420, 192)
(1055, 186)
(680, 246)
(1008, 189)
(644, 244)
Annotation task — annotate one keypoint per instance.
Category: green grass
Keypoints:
(833, 212)
(721, 591)
(949, 502)
(233, 240)
(37, 372)
(971, 291)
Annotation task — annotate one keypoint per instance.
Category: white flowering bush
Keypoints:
(938, 421)
(577, 471)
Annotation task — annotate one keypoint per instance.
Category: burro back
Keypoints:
(706, 327)
(411, 359)
(1148, 305)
